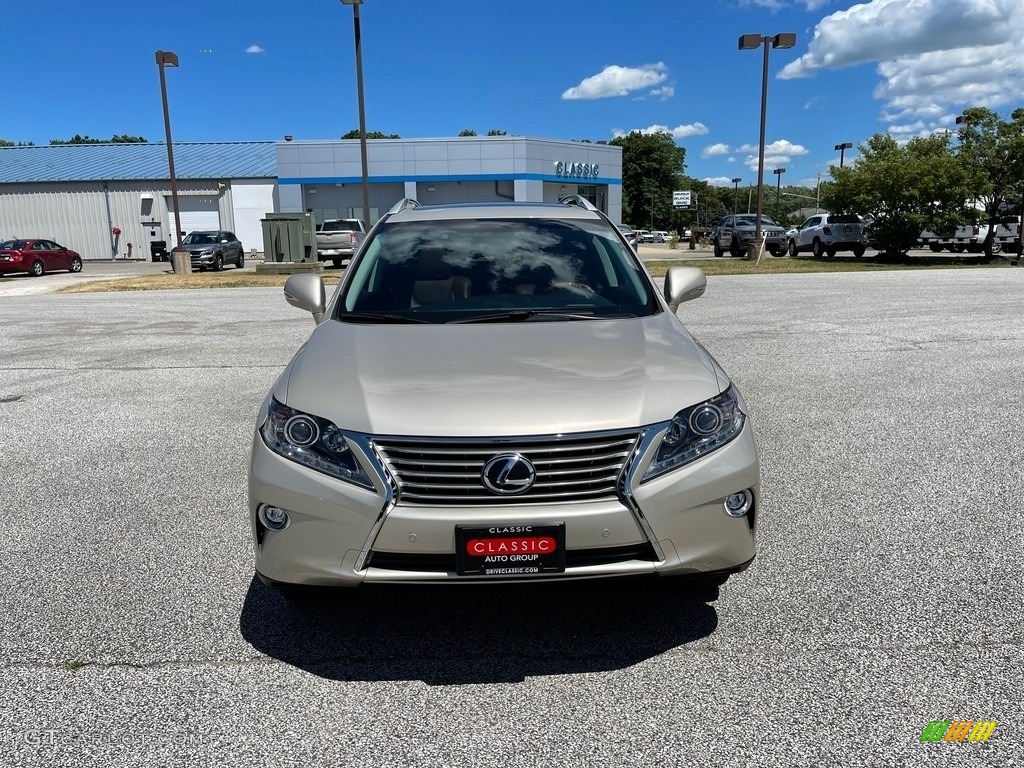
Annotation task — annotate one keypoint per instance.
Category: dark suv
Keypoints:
(212, 250)
(736, 233)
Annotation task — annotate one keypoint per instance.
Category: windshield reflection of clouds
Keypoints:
(485, 265)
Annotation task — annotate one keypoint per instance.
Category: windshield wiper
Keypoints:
(378, 317)
(529, 314)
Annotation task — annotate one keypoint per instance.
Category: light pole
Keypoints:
(735, 193)
(778, 189)
(168, 59)
(750, 42)
(841, 149)
(362, 112)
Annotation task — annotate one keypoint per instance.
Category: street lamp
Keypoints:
(735, 192)
(778, 189)
(168, 59)
(747, 43)
(841, 149)
(362, 112)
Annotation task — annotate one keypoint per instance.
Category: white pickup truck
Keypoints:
(971, 237)
(338, 239)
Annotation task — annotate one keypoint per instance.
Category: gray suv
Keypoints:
(214, 249)
(499, 392)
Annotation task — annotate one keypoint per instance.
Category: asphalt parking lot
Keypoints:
(886, 594)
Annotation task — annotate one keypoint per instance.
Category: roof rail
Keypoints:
(579, 200)
(401, 205)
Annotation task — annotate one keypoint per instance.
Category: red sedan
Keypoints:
(36, 257)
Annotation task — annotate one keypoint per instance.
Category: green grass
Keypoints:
(771, 265)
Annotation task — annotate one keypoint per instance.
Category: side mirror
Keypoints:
(682, 284)
(307, 292)
(224, 242)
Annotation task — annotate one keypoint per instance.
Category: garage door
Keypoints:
(197, 213)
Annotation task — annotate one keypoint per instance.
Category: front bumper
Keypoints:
(203, 260)
(343, 535)
(770, 241)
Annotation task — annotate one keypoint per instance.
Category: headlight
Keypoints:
(312, 442)
(696, 431)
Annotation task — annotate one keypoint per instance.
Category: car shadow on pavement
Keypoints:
(477, 634)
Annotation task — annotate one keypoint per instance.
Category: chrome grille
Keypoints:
(448, 471)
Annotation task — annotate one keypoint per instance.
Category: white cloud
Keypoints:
(618, 81)
(255, 49)
(679, 132)
(713, 150)
(693, 129)
(664, 93)
(930, 54)
(776, 154)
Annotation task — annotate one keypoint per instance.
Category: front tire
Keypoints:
(36, 270)
(792, 249)
(719, 253)
(735, 249)
(241, 260)
(76, 265)
(218, 263)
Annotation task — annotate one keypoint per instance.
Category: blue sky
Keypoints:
(257, 70)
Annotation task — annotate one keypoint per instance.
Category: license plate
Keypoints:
(509, 550)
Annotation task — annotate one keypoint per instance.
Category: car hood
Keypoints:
(523, 378)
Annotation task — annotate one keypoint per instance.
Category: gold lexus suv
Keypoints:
(498, 392)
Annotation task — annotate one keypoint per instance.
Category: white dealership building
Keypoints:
(325, 177)
(98, 198)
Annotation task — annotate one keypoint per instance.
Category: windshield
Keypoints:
(200, 238)
(466, 270)
(751, 220)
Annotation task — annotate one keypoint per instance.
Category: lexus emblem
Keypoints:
(509, 474)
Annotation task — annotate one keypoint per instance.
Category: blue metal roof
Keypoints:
(122, 162)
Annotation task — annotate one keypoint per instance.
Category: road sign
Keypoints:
(681, 199)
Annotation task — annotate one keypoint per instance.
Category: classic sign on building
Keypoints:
(575, 170)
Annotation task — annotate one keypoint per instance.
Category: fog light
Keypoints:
(274, 518)
(738, 504)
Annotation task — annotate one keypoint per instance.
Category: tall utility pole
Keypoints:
(749, 42)
(362, 112)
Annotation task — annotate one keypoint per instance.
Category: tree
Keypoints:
(652, 166)
(123, 138)
(906, 188)
(496, 132)
(6, 143)
(354, 134)
(989, 150)
(467, 132)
